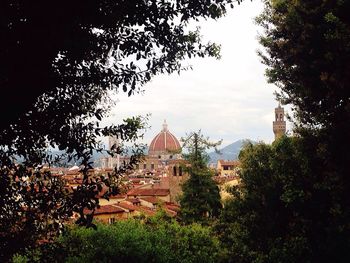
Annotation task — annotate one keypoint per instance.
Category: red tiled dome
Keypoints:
(164, 142)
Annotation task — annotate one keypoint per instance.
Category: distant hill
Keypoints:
(230, 152)
(96, 156)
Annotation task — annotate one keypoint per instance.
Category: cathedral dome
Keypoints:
(164, 142)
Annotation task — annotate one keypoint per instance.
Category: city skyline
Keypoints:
(227, 99)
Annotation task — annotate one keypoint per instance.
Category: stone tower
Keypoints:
(279, 125)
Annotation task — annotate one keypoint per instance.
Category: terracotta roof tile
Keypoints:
(105, 209)
(172, 206)
(149, 192)
(146, 210)
(120, 196)
(126, 206)
(223, 162)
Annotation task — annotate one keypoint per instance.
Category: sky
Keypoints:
(227, 99)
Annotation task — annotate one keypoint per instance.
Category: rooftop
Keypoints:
(149, 192)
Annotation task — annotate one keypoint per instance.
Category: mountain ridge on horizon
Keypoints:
(229, 152)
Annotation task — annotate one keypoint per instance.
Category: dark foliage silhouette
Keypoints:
(59, 61)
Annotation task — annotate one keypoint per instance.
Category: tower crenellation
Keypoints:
(279, 125)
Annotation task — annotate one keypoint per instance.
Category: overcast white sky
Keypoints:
(228, 99)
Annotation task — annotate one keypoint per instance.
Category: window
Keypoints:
(180, 171)
(171, 157)
(225, 167)
(159, 156)
(174, 171)
(144, 166)
(111, 220)
(152, 166)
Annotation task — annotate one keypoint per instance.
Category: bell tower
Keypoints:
(279, 125)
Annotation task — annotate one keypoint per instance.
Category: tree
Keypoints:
(307, 54)
(59, 63)
(200, 200)
(308, 57)
(270, 215)
(132, 241)
(281, 211)
(35, 205)
(66, 48)
(307, 46)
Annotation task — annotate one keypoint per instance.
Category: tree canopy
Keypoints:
(69, 54)
(284, 210)
(200, 200)
(59, 61)
(293, 201)
(307, 52)
(292, 204)
(131, 241)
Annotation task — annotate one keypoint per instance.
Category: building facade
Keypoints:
(227, 168)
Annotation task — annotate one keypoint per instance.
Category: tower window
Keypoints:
(174, 171)
(152, 166)
(180, 171)
(281, 117)
(144, 166)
